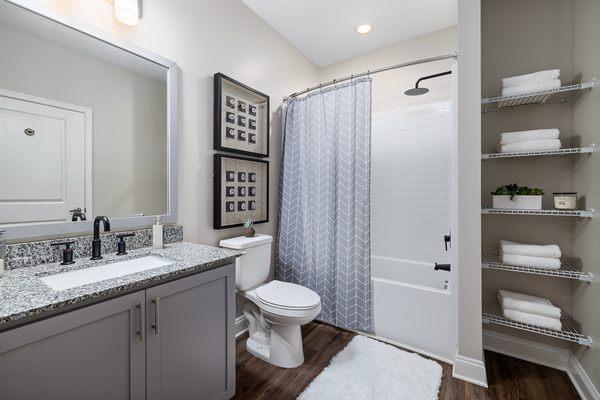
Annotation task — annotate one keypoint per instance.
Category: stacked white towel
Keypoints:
(534, 82)
(533, 140)
(529, 309)
(530, 255)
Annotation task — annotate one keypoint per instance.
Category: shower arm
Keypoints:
(431, 77)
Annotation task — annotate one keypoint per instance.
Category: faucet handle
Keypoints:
(121, 245)
(67, 252)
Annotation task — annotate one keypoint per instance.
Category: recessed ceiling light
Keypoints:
(363, 29)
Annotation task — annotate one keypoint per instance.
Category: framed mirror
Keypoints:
(88, 126)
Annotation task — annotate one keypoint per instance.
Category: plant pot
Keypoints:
(249, 232)
(518, 202)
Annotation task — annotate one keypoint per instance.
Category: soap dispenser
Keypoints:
(157, 234)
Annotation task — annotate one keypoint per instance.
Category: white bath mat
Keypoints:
(367, 369)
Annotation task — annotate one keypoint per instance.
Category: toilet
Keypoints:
(274, 310)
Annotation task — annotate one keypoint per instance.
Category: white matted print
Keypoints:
(241, 191)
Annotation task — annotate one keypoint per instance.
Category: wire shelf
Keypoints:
(540, 153)
(554, 213)
(549, 96)
(566, 271)
(492, 314)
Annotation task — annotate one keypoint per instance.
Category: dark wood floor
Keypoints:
(508, 378)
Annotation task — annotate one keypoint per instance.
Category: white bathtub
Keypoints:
(413, 306)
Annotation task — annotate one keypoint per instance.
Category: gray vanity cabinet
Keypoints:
(173, 341)
(191, 342)
(95, 353)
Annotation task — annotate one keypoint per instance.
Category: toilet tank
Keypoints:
(253, 267)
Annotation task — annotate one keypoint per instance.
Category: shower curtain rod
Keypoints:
(453, 54)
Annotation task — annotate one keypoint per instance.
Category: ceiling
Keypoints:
(325, 30)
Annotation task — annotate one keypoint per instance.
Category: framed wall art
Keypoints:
(241, 191)
(241, 118)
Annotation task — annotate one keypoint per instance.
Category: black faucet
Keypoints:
(96, 243)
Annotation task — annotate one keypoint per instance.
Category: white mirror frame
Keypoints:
(85, 227)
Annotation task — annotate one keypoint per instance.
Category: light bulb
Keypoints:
(363, 29)
(127, 11)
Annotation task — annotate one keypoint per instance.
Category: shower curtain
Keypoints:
(324, 209)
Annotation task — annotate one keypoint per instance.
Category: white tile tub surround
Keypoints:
(411, 191)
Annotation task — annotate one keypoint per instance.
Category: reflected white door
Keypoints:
(44, 149)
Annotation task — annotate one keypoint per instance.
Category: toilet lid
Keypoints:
(288, 295)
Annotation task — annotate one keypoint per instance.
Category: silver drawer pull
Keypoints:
(142, 321)
(156, 303)
(29, 132)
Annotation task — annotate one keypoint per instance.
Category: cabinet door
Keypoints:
(92, 353)
(191, 342)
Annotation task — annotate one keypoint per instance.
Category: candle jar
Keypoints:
(565, 201)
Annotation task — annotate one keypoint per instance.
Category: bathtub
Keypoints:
(414, 306)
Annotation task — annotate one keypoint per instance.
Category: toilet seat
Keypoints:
(287, 296)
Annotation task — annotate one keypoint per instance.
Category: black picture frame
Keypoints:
(243, 122)
(224, 182)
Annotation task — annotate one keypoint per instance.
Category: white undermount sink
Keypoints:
(84, 276)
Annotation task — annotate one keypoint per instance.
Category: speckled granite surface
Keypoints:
(20, 255)
(23, 295)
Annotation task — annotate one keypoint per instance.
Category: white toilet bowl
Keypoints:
(274, 310)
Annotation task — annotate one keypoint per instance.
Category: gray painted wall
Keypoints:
(586, 181)
(469, 178)
(510, 46)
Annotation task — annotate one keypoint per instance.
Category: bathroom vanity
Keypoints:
(160, 333)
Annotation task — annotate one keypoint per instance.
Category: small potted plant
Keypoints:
(517, 197)
(248, 230)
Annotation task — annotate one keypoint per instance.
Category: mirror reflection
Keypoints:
(83, 125)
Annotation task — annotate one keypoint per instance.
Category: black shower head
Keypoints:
(417, 91)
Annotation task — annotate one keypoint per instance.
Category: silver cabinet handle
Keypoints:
(156, 303)
(142, 321)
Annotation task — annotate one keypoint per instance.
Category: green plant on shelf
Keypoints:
(513, 190)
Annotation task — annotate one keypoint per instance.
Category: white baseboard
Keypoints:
(527, 350)
(581, 380)
(543, 354)
(241, 326)
(470, 370)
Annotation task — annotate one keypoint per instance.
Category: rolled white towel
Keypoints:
(529, 261)
(527, 136)
(531, 87)
(534, 145)
(527, 303)
(533, 319)
(533, 77)
(534, 250)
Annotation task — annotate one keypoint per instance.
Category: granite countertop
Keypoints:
(23, 296)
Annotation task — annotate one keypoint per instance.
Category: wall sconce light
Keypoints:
(128, 12)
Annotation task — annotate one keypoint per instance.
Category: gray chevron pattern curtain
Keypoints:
(324, 215)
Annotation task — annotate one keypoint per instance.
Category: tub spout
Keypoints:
(444, 267)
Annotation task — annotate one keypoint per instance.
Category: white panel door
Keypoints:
(42, 161)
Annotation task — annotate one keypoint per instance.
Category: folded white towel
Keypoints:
(529, 261)
(531, 87)
(548, 251)
(533, 145)
(533, 77)
(526, 136)
(527, 303)
(533, 319)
